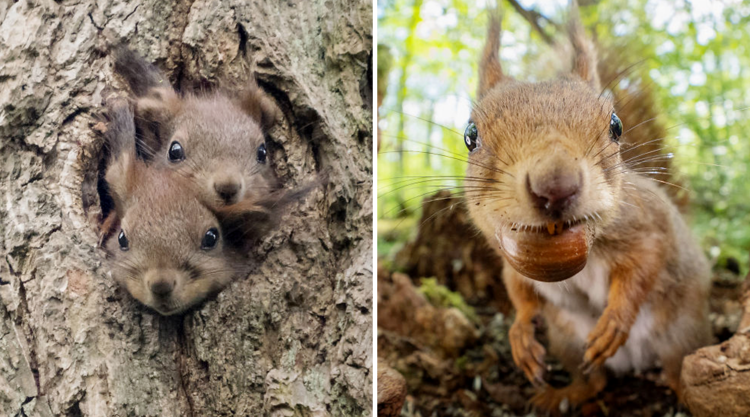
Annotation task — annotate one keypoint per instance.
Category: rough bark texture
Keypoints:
(294, 338)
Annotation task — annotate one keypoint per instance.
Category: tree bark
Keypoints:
(294, 338)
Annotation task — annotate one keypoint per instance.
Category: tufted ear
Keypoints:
(140, 75)
(155, 112)
(123, 169)
(157, 103)
(584, 52)
(490, 70)
(258, 105)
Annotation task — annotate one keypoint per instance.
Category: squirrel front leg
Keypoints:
(528, 353)
(631, 280)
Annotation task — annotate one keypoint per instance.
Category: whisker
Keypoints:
(422, 119)
(498, 170)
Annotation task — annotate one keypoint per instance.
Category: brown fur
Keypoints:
(164, 223)
(636, 104)
(219, 133)
(490, 70)
(654, 271)
(259, 106)
(584, 53)
(220, 143)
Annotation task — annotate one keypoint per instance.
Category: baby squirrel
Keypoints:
(168, 252)
(597, 250)
(215, 140)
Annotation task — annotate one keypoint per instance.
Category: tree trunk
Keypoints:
(294, 338)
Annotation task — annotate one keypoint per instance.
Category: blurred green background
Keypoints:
(695, 55)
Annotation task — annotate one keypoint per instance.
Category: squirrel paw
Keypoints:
(553, 401)
(528, 354)
(610, 333)
(557, 401)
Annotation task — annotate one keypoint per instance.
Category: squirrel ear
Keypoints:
(160, 104)
(123, 167)
(490, 70)
(157, 103)
(155, 110)
(140, 75)
(584, 53)
(258, 105)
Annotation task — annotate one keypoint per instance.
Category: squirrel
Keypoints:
(166, 247)
(589, 245)
(216, 140)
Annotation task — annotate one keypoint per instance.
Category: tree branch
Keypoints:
(535, 18)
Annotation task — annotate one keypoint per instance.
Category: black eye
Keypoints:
(262, 153)
(123, 241)
(210, 239)
(471, 136)
(176, 152)
(615, 128)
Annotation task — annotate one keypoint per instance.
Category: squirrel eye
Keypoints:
(471, 136)
(615, 128)
(176, 152)
(123, 241)
(210, 239)
(262, 153)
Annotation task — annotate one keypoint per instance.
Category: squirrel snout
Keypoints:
(227, 187)
(161, 282)
(554, 192)
(162, 288)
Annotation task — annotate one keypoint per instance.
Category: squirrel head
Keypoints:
(168, 251)
(544, 165)
(215, 140)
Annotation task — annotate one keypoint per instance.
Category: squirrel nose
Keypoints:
(162, 288)
(227, 186)
(227, 190)
(553, 194)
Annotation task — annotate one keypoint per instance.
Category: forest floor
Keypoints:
(447, 335)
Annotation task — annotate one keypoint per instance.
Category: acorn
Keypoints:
(552, 255)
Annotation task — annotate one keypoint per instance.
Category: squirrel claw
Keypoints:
(528, 354)
(587, 367)
(604, 341)
(539, 382)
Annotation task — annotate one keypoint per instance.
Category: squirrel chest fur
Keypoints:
(580, 300)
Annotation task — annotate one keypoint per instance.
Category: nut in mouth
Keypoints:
(552, 252)
(552, 228)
